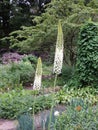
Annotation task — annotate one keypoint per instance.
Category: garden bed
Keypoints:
(12, 124)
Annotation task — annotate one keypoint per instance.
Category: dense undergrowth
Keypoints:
(17, 102)
(21, 74)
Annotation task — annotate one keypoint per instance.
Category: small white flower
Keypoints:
(56, 113)
(30, 108)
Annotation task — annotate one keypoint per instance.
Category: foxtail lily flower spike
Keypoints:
(38, 75)
(58, 60)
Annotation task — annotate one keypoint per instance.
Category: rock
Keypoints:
(8, 124)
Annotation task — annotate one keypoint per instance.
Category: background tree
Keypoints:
(41, 38)
(13, 15)
(4, 17)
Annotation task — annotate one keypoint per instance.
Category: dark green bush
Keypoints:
(87, 56)
(30, 58)
(67, 73)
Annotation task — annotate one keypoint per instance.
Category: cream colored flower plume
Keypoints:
(58, 60)
(38, 75)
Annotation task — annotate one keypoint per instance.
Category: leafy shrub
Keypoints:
(8, 79)
(88, 94)
(24, 69)
(87, 59)
(15, 103)
(30, 58)
(67, 73)
(11, 75)
(78, 116)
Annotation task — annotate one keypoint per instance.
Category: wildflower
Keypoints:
(38, 75)
(78, 108)
(30, 108)
(58, 60)
(56, 113)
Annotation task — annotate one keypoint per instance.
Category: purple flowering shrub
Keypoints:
(11, 57)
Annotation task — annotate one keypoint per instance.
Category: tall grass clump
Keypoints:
(25, 122)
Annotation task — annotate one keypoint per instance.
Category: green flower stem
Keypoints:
(34, 110)
(55, 80)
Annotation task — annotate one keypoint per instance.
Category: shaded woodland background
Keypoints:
(27, 28)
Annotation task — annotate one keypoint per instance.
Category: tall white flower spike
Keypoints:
(38, 75)
(58, 60)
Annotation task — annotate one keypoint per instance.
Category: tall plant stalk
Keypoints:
(53, 96)
(33, 112)
(58, 61)
(37, 83)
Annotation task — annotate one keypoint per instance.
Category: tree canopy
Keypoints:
(41, 35)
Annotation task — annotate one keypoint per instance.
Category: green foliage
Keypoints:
(87, 57)
(53, 120)
(88, 94)
(25, 122)
(24, 69)
(13, 15)
(42, 36)
(8, 80)
(67, 73)
(13, 74)
(16, 102)
(63, 78)
(30, 58)
(78, 116)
